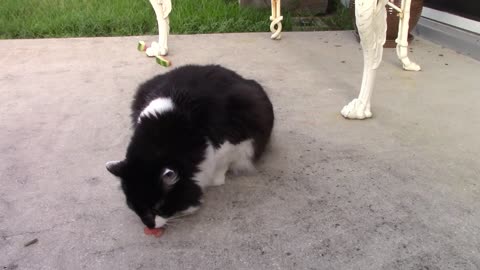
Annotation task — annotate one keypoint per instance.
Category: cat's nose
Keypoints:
(148, 220)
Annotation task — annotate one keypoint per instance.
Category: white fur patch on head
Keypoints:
(160, 222)
(157, 107)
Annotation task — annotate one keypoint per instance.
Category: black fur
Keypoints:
(211, 103)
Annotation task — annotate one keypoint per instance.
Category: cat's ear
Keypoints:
(169, 177)
(116, 168)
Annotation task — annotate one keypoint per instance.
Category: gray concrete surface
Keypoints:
(459, 40)
(399, 191)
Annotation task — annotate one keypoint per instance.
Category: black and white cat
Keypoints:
(191, 125)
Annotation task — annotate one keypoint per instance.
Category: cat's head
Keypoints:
(157, 174)
(155, 192)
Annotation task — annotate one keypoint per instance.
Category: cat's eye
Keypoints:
(169, 177)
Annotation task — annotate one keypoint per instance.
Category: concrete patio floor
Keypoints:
(399, 191)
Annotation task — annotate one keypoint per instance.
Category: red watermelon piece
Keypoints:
(157, 232)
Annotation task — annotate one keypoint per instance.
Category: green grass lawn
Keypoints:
(75, 18)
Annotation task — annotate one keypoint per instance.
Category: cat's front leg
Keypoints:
(219, 176)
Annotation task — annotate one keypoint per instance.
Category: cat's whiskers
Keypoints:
(179, 216)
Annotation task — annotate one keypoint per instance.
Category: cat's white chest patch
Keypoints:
(157, 107)
(218, 161)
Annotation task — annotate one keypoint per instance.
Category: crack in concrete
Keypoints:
(5, 237)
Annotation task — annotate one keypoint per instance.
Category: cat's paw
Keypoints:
(244, 167)
(219, 180)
